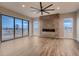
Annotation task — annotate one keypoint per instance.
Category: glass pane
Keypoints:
(18, 28)
(25, 28)
(35, 27)
(68, 24)
(68, 28)
(7, 28)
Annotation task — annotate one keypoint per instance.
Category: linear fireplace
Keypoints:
(48, 30)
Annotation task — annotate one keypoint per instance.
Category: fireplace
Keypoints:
(48, 30)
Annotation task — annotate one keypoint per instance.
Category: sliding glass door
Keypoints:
(7, 28)
(25, 28)
(18, 28)
(14, 27)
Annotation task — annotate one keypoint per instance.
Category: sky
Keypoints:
(68, 22)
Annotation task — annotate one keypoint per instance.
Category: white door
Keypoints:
(68, 27)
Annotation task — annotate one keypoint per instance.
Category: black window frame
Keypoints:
(14, 27)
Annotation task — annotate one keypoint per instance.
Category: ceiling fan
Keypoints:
(44, 9)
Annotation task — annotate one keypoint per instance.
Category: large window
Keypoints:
(13, 27)
(18, 27)
(25, 28)
(35, 27)
(7, 28)
(68, 27)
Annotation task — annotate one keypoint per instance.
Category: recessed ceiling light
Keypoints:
(58, 8)
(23, 5)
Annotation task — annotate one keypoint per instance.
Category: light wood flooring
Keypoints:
(35, 46)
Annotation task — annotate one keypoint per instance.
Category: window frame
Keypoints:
(14, 27)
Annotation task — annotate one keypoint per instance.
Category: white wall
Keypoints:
(77, 26)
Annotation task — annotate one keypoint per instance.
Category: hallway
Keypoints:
(35, 46)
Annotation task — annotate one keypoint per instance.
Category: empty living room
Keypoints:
(39, 28)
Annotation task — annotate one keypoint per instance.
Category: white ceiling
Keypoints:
(65, 7)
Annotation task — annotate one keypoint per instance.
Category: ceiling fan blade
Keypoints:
(34, 8)
(41, 5)
(46, 12)
(49, 9)
(48, 6)
(41, 8)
